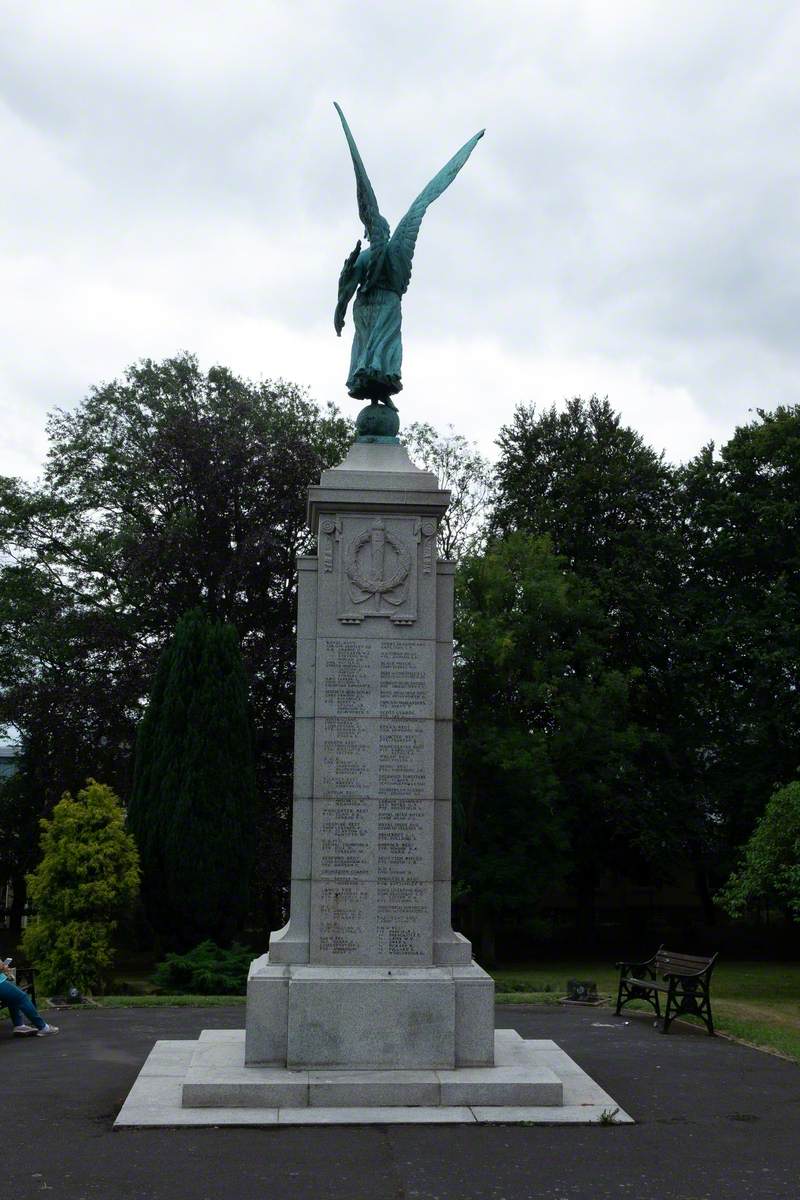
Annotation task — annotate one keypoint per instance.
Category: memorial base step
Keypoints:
(218, 1078)
(156, 1098)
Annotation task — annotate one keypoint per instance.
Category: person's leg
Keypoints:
(29, 1010)
(8, 998)
(19, 1004)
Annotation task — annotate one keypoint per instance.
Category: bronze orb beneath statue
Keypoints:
(377, 423)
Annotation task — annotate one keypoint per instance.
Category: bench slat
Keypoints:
(686, 958)
(681, 963)
(650, 984)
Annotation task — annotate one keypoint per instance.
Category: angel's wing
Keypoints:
(375, 225)
(348, 282)
(400, 250)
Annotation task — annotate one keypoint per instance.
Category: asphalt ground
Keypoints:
(714, 1120)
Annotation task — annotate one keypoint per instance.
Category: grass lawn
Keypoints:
(757, 1002)
(155, 1001)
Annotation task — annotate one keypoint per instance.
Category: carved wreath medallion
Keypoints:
(373, 579)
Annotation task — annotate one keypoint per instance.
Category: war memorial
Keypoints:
(368, 1006)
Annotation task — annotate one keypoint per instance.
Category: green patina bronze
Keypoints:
(378, 422)
(380, 274)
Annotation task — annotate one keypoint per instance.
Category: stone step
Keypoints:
(218, 1078)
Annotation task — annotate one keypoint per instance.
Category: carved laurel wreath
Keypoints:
(369, 583)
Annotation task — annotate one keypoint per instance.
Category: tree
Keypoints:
(164, 490)
(609, 505)
(770, 868)
(20, 810)
(87, 876)
(542, 732)
(612, 509)
(193, 803)
(59, 658)
(466, 474)
(742, 508)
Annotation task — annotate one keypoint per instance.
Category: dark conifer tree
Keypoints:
(192, 810)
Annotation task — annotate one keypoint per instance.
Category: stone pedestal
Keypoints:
(369, 1017)
(368, 1007)
(368, 972)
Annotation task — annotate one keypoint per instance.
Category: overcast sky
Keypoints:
(175, 177)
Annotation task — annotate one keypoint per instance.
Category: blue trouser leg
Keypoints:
(19, 1004)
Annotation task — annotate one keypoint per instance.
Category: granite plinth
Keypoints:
(157, 1097)
(218, 1077)
(369, 1018)
(375, 477)
(369, 974)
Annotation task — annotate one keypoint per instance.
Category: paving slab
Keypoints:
(416, 1115)
(714, 1121)
(168, 1058)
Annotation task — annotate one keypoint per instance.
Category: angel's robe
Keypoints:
(381, 274)
(377, 353)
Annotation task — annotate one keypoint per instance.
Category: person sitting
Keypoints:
(20, 1005)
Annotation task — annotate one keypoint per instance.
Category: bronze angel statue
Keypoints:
(381, 273)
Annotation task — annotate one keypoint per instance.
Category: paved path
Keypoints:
(715, 1120)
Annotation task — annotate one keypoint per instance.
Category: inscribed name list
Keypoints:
(370, 678)
(372, 845)
(370, 758)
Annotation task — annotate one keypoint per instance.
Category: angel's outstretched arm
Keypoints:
(401, 247)
(374, 224)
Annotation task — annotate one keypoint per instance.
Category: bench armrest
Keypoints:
(639, 966)
(646, 963)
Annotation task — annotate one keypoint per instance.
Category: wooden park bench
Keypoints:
(686, 982)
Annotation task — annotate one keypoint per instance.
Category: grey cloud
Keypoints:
(635, 198)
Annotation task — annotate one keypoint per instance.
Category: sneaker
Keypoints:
(47, 1029)
(23, 1030)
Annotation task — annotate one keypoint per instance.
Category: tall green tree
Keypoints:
(87, 877)
(169, 488)
(612, 509)
(609, 505)
(193, 803)
(542, 731)
(742, 508)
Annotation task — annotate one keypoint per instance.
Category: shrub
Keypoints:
(88, 875)
(207, 970)
(770, 866)
(522, 985)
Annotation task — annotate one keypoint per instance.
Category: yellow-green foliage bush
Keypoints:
(88, 875)
(770, 861)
